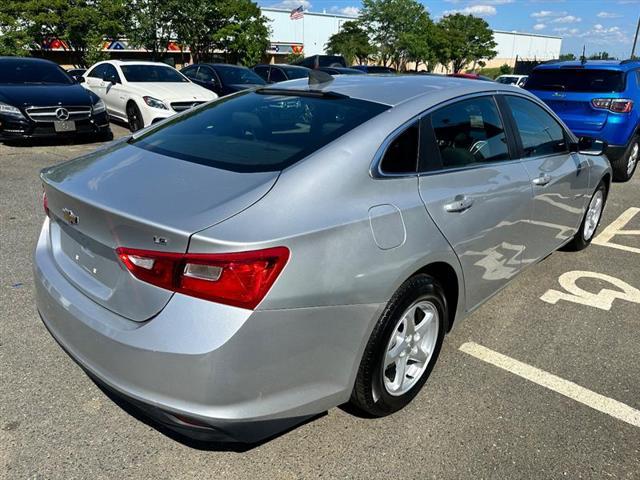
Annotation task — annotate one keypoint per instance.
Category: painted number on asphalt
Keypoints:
(602, 300)
(616, 228)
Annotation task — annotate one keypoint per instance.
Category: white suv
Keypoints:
(142, 93)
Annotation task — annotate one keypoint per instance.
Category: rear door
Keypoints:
(477, 194)
(559, 178)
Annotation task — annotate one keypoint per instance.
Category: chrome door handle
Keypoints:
(460, 203)
(542, 180)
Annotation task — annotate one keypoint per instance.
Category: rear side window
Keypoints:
(469, 132)
(98, 72)
(539, 132)
(576, 80)
(263, 72)
(401, 155)
(258, 132)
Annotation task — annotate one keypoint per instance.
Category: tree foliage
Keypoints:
(464, 39)
(352, 42)
(82, 24)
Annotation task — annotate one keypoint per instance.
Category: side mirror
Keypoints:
(79, 78)
(590, 146)
(109, 79)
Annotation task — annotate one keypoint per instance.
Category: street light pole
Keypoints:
(635, 40)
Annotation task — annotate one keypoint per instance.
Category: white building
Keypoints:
(310, 34)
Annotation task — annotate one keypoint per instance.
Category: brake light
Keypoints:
(616, 105)
(240, 279)
(45, 202)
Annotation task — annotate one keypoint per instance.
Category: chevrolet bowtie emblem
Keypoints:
(70, 217)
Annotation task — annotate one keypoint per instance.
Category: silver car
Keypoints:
(270, 255)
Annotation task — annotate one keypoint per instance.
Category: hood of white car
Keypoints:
(172, 92)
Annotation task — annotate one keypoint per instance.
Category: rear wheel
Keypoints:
(134, 117)
(403, 348)
(625, 166)
(591, 220)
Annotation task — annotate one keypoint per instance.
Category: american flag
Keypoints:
(297, 13)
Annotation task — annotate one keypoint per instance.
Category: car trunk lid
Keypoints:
(130, 197)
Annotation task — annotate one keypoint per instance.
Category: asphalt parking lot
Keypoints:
(534, 384)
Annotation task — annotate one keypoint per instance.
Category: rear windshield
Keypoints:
(151, 73)
(257, 132)
(238, 76)
(576, 80)
(32, 72)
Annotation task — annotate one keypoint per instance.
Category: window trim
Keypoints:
(568, 135)
(376, 166)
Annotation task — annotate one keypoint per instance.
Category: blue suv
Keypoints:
(596, 98)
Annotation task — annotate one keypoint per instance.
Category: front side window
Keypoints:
(190, 72)
(258, 132)
(151, 73)
(540, 133)
(98, 72)
(204, 74)
(469, 132)
(401, 155)
(111, 73)
(277, 75)
(263, 72)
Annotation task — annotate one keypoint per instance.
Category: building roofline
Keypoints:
(306, 12)
(525, 34)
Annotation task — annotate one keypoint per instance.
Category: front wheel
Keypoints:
(624, 167)
(403, 348)
(590, 221)
(134, 117)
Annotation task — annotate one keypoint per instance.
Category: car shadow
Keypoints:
(203, 445)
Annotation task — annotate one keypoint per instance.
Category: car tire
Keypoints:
(590, 221)
(134, 117)
(104, 136)
(379, 388)
(625, 166)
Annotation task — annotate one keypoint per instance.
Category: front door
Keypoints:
(478, 196)
(559, 178)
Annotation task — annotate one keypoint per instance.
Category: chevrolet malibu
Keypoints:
(275, 253)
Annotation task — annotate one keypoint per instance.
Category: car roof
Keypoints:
(392, 89)
(135, 62)
(214, 65)
(26, 59)
(621, 65)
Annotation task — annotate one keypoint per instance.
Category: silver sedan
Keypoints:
(265, 257)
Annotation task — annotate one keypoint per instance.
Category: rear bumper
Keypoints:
(241, 374)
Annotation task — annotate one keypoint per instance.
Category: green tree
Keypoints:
(352, 42)
(464, 39)
(600, 56)
(399, 30)
(81, 24)
(567, 56)
(505, 69)
(150, 25)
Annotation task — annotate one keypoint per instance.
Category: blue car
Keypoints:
(599, 98)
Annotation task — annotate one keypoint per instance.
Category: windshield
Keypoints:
(507, 80)
(238, 75)
(576, 80)
(151, 73)
(32, 72)
(294, 73)
(257, 132)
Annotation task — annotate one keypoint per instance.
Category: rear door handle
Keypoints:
(542, 180)
(460, 203)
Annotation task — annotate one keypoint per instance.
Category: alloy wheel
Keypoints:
(410, 348)
(593, 215)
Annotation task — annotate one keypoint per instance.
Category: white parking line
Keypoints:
(564, 387)
(616, 228)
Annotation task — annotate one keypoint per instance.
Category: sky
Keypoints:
(600, 25)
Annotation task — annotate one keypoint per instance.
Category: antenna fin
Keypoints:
(318, 77)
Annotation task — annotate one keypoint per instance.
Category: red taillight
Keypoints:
(45, 203)
(241, 279)
(616, 105)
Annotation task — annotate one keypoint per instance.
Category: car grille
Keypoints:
(182, 106)
(48, 114)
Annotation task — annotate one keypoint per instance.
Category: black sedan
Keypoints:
(374, 69)
(39, 99)
(280, 73)
(340, 71)
(221, 78)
